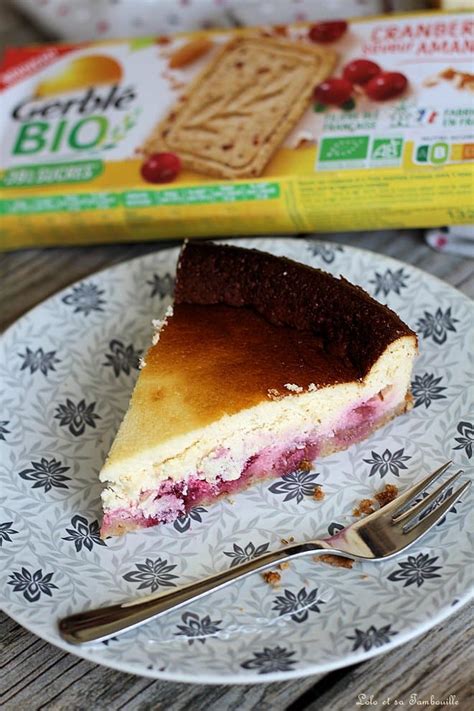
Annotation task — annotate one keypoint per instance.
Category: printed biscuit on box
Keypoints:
(239, 109)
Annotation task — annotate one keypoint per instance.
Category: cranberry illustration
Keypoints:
(360, 71)
(386, 85)
(161, 168)
(333, 91)
(330, 31)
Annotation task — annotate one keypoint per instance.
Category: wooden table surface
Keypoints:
(36, 675)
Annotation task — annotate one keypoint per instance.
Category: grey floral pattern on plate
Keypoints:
(122, 358)
(46, 474)
(84, 534)
(194, 628)
(372, 637)
(390, 281)
(3, 429)
(32, 585)
(152, 574)
(84, 298)
(72, 399)
(416, 570)
(298, 605)
(466, 440)
(183, 523)
(387, 462)
(6, 531)
(161, 285)
(38, 360)
(436, 325)
(241, 554)
(295, 485)
(426, 388)
(76, 416)
(270, 660)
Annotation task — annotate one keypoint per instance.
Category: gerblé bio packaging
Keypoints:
(356, 125)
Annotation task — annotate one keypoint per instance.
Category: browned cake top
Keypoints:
(348, 323)
(245, 326)
(213, 361)
(235, 356)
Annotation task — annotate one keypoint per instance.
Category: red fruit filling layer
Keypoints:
(175, 499)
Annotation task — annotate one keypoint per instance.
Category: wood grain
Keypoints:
(38, 676)
(432, 665)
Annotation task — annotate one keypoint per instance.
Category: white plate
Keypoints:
(67, 370)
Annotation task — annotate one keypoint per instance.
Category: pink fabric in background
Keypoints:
(79, 20)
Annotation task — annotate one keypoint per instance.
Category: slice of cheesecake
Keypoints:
(262, 365)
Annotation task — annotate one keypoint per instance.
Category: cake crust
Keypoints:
(331, 447)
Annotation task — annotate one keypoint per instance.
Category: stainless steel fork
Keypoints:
(381, 535)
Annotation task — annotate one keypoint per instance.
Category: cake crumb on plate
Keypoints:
(318, 493)
(382, 498)
(271, 577)
(364, 508)
(388, 494)
(337, 561)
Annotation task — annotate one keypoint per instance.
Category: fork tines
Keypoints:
(409, 508)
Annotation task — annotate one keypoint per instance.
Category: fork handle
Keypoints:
(104, 622)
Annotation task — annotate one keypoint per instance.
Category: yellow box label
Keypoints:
(392, 148)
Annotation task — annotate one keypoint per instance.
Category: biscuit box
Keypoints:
(328, 126)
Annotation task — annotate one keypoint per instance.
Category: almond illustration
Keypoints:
(189, 52)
